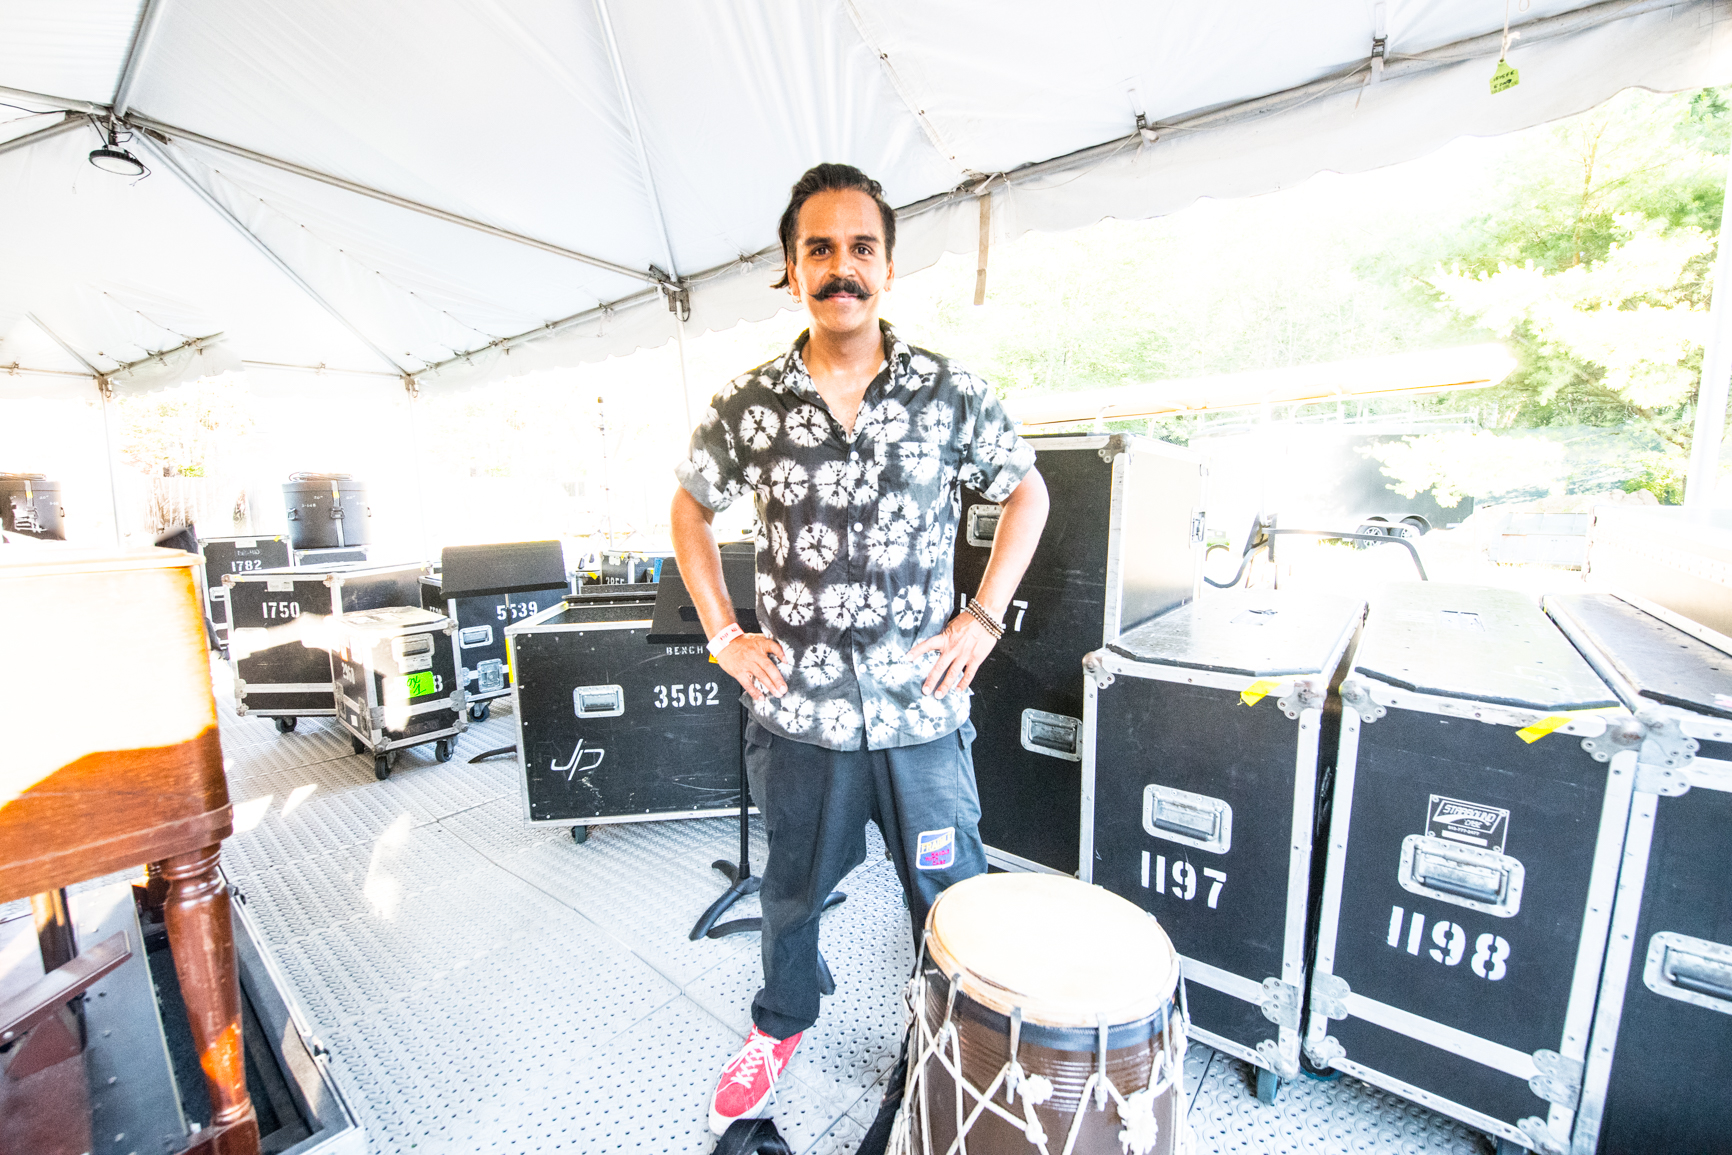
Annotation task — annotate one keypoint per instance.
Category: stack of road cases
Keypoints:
(279, 644)
(396, 682)
(237, 555)
(30, 506)
(1481, 792)
(615, 728)
(1123, 543)
(487, 588)
(1201, 737)
(1659, 1069)
(619, 567)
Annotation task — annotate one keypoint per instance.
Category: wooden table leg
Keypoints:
(201, 936)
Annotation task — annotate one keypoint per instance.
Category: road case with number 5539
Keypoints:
(1201, 739)
(396, 682)
(613, 728)
(1481, 794)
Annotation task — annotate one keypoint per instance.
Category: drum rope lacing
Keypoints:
(1137, 1110)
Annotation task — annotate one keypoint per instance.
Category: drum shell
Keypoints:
(984, 1041)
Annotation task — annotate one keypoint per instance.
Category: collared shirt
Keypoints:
(856, 533)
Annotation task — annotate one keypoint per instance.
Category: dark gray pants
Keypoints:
(816, 804)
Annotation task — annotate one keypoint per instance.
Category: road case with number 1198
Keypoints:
(1480, 800)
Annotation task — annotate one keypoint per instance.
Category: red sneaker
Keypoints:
(748, 1082)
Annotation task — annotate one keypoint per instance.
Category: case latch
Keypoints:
(598, 701)
(1691, 970)
(472, 636)
(982, 525)
(1188, 819)
(1472, 876)
(1055, 735)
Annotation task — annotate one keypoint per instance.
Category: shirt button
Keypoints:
(858, 527)
(854, 455)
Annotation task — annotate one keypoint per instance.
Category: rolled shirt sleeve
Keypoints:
(711, 470)
(995, 458)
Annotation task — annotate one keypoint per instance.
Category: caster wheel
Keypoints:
(357, 746)
(442, 750)
(381, 767)
(580, 834)
(480, 711)
(285, 725)
(1268, 1086)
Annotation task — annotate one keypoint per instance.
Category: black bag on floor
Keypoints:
(746, 1136)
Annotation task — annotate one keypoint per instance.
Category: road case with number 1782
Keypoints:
(613, 728)
(1481, 794)
(1201, 735)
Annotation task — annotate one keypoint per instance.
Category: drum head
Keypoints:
(1065, 952)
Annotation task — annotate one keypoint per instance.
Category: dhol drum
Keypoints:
(1046, 1018)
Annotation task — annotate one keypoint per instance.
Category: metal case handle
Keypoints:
(1472, 876)
(474, 636)
(1188, 819)
(1691, 970)
(982, 524)
(1055, 735)
(598, 701)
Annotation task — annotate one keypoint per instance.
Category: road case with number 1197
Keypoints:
(1202, 730)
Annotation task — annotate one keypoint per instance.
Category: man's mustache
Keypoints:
(839, 286)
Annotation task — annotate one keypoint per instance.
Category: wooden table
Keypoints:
(116, 762)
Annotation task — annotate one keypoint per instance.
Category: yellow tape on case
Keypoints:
(1257, 691)
(1533, 733)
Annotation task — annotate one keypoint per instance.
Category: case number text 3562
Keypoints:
(694, 694)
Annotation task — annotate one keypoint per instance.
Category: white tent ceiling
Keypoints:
(460, 190)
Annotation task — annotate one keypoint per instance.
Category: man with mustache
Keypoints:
(855, 447)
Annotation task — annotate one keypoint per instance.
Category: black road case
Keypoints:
(395, 671)
(279, 643)
(487, 588)
(302, 557)
(619, 567)
(613, 728)
(1659, 1069)
(1475, 833)
(327, 511)
(226, 555)
(1200, 781)
(1123, 543)
(30, 506)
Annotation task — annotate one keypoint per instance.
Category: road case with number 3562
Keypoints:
(396, 682)
(1201, 740)
(1481, 793)
(613, 728)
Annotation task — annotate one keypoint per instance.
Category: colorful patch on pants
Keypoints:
(935, 849)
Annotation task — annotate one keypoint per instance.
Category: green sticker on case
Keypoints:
(420, 684)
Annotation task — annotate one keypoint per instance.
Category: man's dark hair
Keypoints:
(829, 178)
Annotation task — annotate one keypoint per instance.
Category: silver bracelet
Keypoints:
(984, 616)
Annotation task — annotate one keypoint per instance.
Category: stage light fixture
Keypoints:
(112, 158)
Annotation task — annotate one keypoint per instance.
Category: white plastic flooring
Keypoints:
(484, 985)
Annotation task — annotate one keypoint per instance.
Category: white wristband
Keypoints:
(722, 640)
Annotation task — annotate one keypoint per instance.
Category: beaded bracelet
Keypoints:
(984, 616)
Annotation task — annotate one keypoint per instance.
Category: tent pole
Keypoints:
(413, 392)
(105, 388)
(135, 54)
(1704, 469)
(70, 121)
(631, 121)
(685, 386)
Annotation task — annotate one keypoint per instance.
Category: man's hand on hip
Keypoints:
(750, 660)
(961, 648)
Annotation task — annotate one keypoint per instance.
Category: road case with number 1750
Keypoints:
(1481, 793)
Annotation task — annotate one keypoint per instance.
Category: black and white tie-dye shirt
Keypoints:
(854, 553)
